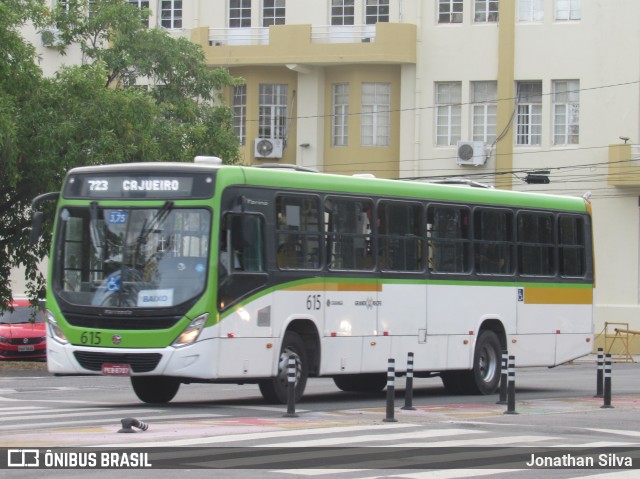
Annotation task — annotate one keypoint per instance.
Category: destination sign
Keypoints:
(141, 186)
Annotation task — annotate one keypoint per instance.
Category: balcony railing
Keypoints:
(319, 34)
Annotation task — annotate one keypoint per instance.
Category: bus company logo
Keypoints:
(116, 339)
(331, 302)
(369, 303)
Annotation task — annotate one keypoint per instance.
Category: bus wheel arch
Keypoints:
(300, 340)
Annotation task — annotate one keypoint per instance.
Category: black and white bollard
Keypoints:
(130, 422)
(600, 374)
(503, 378)
(391, 390)
(511, 386)
(607, 383)
(291, 388)
(408, 391)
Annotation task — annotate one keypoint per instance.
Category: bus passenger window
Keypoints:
(298, 232)
(448, 239)
(571, 246)
(493, 241)
(536, 244)
(348, 228)
(399, 240)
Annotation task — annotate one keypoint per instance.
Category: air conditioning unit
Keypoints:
(471, 153)
(51, 38)
(268, 148)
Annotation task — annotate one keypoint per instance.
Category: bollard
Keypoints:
(503, 378)
(130, 422)
(599, 374)
(391, 390)
(607, 383)
(511, 386)
(408, 392)
(291, 388)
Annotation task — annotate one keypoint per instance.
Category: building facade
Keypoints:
(509, 93)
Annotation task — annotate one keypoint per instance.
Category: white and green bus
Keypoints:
(176, 273)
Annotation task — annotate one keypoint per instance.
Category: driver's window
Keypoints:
(242, 244)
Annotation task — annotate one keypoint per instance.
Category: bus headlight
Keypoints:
(191, 332)
(54, 329)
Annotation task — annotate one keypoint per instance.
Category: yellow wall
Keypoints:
(381, 161)
(253, 77)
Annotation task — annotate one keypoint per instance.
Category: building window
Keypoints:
(272, 113)
(171, 14)
(485, 11)
(239, 13)
(377, 11)
(450, 11)
(484, 108)
(566, 112)
(375, 115)
(273, 12)
(529, 113)
(240, 112)
(141, 4)
(448, 113)
(340, 119)
(342, 12)
(530, 10)
(568, 10)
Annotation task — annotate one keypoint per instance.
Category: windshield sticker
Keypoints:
(151, 298)
(117, 217)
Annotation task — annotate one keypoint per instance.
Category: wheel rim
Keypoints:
(488, 364)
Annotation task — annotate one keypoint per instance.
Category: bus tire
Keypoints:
(274, 390)
(361, 383)
(484, 378)
(155, 389)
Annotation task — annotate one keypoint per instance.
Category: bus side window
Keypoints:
(241, 244)
(449, 241)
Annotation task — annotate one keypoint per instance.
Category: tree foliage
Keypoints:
(140, 95)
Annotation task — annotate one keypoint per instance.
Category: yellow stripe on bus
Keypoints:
(558, 296)
(373, 286)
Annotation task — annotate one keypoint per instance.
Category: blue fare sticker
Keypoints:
(117, 217)
(200, 268)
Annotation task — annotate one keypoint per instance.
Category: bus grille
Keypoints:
(140, 363)
(120, 322)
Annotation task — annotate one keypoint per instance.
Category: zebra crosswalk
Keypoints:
(322, 446)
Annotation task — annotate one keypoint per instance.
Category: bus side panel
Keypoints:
(341, 355)
(572, 346)
(533, 349)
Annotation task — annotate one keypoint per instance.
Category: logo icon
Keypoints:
(116, 339)
(23, 458)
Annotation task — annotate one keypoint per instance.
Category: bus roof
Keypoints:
(295, 178)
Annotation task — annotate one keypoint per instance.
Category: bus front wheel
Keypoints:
(274, 390)
(155, 389)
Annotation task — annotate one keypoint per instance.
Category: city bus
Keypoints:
(178, 273)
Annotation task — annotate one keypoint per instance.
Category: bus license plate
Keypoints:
(116, 370)
(24, 349)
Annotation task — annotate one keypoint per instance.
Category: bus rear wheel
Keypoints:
(484, 378)
(361, 383)
(274, 390)
(155, 389)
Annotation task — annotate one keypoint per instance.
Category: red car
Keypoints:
(22, 332)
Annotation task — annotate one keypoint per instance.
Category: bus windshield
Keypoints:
(131, 257)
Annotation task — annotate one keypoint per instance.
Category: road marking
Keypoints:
(264, 435)
(481, 442)
(333, 441)
(619, 432)
(84, 422)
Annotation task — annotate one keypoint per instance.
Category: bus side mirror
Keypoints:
(36, 227)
